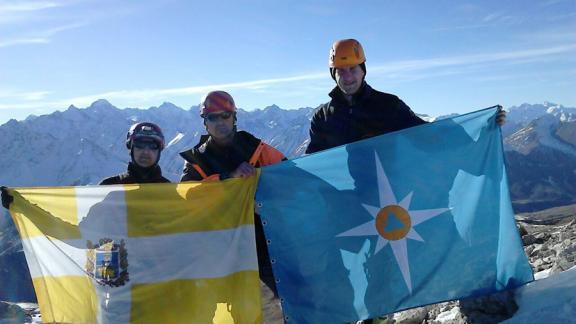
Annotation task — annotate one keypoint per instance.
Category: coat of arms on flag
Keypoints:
(106, 261)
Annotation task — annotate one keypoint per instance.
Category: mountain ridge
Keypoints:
(80, 146)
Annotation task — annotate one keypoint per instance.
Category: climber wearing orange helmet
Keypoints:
(356, 111)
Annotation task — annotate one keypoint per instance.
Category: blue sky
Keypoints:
(438, 56)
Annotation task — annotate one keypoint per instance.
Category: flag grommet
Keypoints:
(268, 242)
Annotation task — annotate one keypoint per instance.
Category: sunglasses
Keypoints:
(146, 145)
(212, 117)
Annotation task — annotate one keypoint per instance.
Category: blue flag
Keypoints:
(397, 221)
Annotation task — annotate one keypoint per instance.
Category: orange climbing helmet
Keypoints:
(345, 53)
(216, 101)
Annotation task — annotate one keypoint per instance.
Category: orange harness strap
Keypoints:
(253, 161)
(200, 171)
(256, 155)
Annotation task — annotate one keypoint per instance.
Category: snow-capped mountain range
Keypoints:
(550, 127)
(83, 146)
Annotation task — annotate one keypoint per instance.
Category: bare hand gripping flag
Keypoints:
(397, 221)
(161, 253)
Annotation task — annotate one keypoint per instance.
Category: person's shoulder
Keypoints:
(190, 155)
(117, 179)
(321, 111)
(389, 100)
(384, 95)
(187, 155)
(322, 107)
(247, 137)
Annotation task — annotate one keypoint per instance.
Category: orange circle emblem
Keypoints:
(382, 220)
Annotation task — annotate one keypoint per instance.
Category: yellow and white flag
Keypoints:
(153, 253)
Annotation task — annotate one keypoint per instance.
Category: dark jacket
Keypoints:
(137, 174)
(372, 113)
(208, 161)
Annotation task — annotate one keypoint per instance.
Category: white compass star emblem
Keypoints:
(401, 211)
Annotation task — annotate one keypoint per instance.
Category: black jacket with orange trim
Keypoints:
(208, 161)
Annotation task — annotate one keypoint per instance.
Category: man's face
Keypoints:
(220, 125)
(349, 79)
(145, 153)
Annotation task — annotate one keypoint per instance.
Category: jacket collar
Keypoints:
(241, 139)
(139, 172)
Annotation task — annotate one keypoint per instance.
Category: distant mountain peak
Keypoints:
(101, 104)
(29, 118)
(12, 123)
(168, 105)
(272, 107)
(551, 104)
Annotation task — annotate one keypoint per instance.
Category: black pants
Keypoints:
(264, 265)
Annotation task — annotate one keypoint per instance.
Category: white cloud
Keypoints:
(492, 17)
(39, 37)
(510, 56)
(55, 30)
(21, 12)
(23, 41)
(26, 96)
(9, 7)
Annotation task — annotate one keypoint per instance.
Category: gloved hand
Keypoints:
(7, 199)
(501, 116)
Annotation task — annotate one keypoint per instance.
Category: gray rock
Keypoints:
(528, 239)
(412, 316)
(521, 229)
(537, 263)
(565, 260)
(489, 309)
(541, 237)
(271, 309)
(536, 248)
(10, 313)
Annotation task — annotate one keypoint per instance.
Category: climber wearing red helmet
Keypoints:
(225, 152)
(228, 153)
